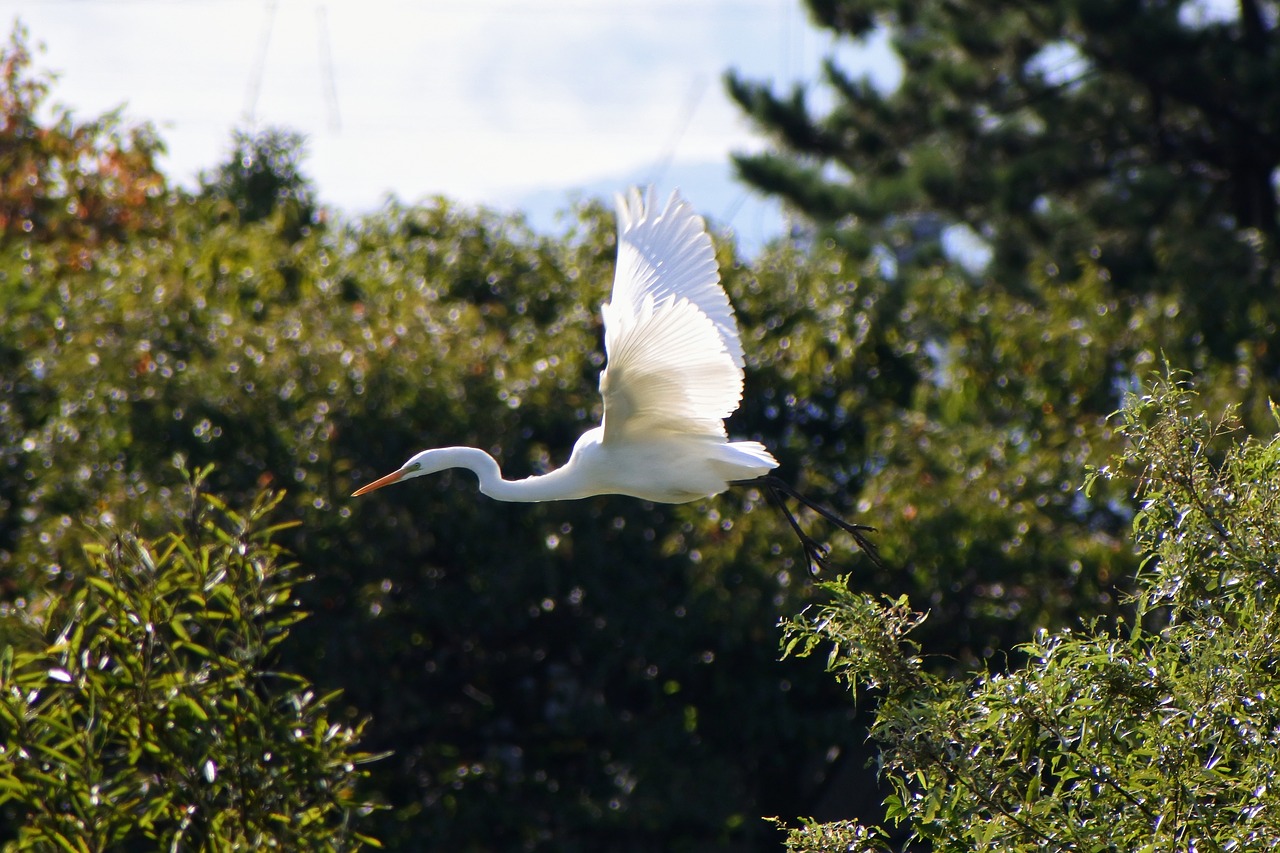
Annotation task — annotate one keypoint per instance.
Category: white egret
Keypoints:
(674, 373)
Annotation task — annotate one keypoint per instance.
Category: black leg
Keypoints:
(815, 553)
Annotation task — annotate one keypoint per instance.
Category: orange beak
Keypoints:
(393, 477)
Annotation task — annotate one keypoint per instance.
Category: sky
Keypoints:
(511, 104)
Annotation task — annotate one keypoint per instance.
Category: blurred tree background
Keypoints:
(1142, 136)
(603, 674)
(1059, 195)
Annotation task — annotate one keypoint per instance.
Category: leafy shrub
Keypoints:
(142, 710)
(1155, 733)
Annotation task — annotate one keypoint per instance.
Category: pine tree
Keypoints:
(1143, 136)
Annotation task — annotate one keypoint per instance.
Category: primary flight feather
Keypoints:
(674, 373)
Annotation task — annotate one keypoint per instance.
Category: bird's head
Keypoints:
(426, 462)
(429, 462)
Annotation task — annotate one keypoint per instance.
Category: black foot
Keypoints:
(815, 553)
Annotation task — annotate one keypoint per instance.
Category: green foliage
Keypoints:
(1192, 488)
(1150, 734)
(141, 709)
(263, 177)
(845, 836)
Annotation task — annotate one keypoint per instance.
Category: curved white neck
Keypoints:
(554, 485)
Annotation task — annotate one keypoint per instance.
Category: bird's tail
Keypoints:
(751, 455)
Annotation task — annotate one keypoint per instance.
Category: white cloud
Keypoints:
(485, 101)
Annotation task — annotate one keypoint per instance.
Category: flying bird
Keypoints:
(674, 373)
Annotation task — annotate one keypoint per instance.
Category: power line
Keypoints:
(327, 82)
(259, 66)
(697, 87)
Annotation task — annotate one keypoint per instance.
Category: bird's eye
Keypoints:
(413, 466)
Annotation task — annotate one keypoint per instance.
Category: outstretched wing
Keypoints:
(675, 360)
(668, 252)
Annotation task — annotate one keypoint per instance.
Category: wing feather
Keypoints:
(668, 372)
(675, 357)
(666, 252)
